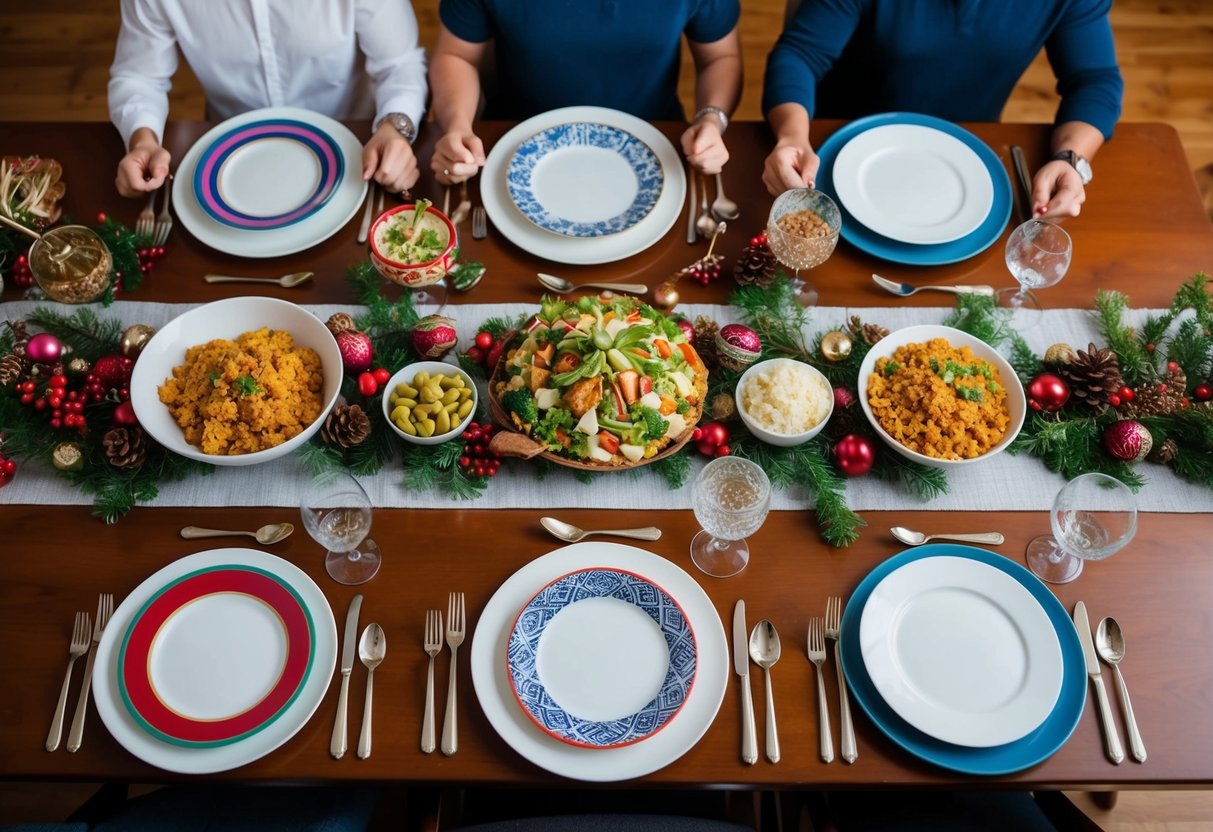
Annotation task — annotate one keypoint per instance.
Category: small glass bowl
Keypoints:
(71, 264)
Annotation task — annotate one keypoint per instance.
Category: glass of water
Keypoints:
(731, 498)
(337, 514)
(1094, 516)
(1038, 255)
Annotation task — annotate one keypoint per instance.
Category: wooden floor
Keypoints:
(54, 64)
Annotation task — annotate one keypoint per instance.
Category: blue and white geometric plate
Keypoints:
(601, 658)
(584, 180)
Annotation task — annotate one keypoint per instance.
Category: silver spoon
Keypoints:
(705, 224)
(905, 289)
(1110, 642)
(265, 535)
(764, 650)
(572, 534)
(287, 280)
(372, 647)
(913, 538)
(563, 287)
(724, 208)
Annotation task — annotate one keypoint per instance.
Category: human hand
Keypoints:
(388, 158)
(1057, 191)
(457, 156)
(704, 147)
(790, 166)
(144, 167)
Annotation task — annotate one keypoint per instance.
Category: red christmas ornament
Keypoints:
(1127, 394)
(843, 398)
(494, 354)
(1202, 392)
(1172, 366)
(382, 375)
(433, 336)
(124, 415)
(484, 340)
(854, 455)
(43, 348)
(367, 385)
(356, 350)
(1048, 392)
(688, 328)
(22, 277)
(1127, 441)
(8, 470)
(710, 437)
(113, 371)
(737, 346)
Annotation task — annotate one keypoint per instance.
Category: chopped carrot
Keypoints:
(608, 441)
(663, 347)
(641, 353)
(688, 352)
(668, 406)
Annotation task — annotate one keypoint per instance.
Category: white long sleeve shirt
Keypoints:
(349, 59)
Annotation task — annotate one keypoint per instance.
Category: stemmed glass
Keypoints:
(1093, 517)
(337, 514)
(1038, 255)
(802, 231)
(731, 498)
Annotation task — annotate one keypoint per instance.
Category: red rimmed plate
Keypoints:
(216, 656)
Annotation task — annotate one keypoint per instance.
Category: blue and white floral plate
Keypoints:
(602, 658)
(584, 179)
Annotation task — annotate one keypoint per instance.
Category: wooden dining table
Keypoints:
(1142, 231)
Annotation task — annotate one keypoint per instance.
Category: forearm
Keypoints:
(790, 123)
(1084, 139)
(456, 92)
(718, 83)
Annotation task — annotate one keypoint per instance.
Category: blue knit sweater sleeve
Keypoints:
(810, 44)
(1083, 56)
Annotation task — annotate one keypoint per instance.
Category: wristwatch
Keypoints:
(1079, 163)
(403, 124)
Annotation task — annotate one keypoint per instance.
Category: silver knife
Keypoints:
(1025, 186)
(1112, 739)
(349, 649)
(741, 666)
(364, 230)
(692, 231)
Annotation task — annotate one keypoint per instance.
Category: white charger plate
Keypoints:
(204, 760)
(961, 651)
(913, 184)
(490, 675)
(494, 190)
(330, 218)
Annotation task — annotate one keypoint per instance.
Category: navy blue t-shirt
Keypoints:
(955, 59)
(622, 54)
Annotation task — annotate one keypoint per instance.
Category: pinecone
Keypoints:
(1151, 400)
(755, 265)
(1176, 381)
(723, 408)
(125, 447)
(339, 322)
(868, 333)
(20, 337)
(705, 341)
(12, 367)
(1092, 376)
(346, 426)
(1164, 453)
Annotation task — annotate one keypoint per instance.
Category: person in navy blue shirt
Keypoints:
(955, 59)
(622, 54)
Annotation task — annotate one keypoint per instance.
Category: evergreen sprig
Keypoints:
(923, 481)
(1134, 358)
(675, 469)
(773, 313)
(980, 316)
(1073, 445)
(87, 334)
(430, 467)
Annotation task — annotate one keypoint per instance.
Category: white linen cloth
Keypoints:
(349, 59)
(1005, 482)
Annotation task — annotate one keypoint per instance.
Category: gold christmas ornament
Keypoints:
(1059, 354)
(68, 456)
(134, 338)
(836, 345)
(665, 295)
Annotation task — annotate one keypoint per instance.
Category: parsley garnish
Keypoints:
(247, 386)
(214, 377)
(891, 367)
(972, 394)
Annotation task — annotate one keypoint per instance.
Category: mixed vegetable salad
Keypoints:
(609, 382)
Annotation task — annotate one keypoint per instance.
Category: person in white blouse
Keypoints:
(349, 59)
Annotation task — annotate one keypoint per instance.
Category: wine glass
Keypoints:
(337, 514)
(1093, 517)
(731, 497)
(1038, 255)
(802, 231)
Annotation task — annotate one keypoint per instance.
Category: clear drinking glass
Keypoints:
(1038, 255)
(731, 498)
(805, 241)
(1093, 517)
(337, 514)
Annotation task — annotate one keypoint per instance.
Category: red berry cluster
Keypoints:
(477, 460)
(23, 277)
(487, 349)
(1126, 394)
(8, 470)
(148, 255)
(63, 408)
(370, 381)
(706, 270)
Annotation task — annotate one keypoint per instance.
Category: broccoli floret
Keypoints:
(655, 425)
(522, 408)
(683, 407)
(555, 419)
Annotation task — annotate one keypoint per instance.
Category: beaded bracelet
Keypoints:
(714, 111)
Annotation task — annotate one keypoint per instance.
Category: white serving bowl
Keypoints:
(1017, 402)
(766, 434)
(227, 318)
(406, 374)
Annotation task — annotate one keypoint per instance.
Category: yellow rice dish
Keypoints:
(243, 396)
(939, 401)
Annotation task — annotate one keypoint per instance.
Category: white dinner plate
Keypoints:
(913, 184)
(173, 678)
(315, 218)
(491, 679)
(577, 250)
(961, 651)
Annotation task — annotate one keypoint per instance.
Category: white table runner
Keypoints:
(1003, 483)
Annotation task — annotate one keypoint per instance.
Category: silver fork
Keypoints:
(80, 641)
(105, 608)
(905, 289)
(164, 222)
(455, 624)
(817, 655)
(465, 205)
(433, 646)
(847, 729)
(480, 225)
(145, 222)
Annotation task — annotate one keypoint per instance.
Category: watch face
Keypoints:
(1084, 169)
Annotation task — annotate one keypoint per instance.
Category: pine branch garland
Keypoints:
(922, 481)
(980, 316)
(86, 333)
(675, 469)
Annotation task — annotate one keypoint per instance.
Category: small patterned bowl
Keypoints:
(413, 275)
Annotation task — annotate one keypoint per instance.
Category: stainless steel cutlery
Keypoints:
(105, 608)
(433, 646)
(78, 647)
(371, 650)
(816, 648)
(765, 650)
(456, 628)
(1112, 744)
(339, 743)
(1110, 642)
(741, 666)
(833, 623)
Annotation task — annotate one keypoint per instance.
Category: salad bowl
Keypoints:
(413, 245)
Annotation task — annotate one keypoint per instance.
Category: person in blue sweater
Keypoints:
(955, 59)
(622, 54)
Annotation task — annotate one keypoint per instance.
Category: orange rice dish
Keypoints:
(243, 396)
(939, 400)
